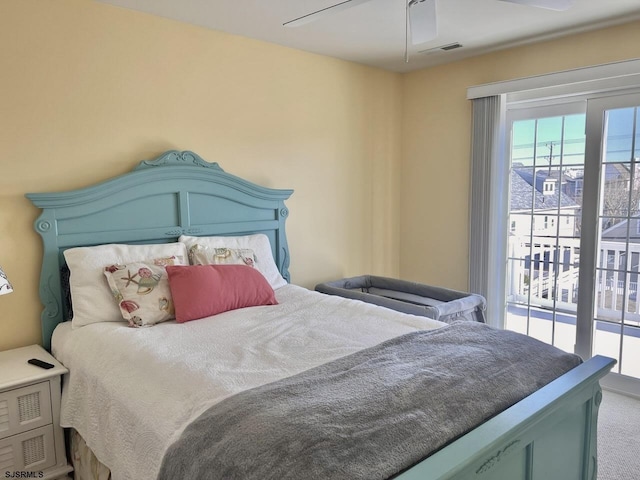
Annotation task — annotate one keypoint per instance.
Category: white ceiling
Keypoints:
(373, 32)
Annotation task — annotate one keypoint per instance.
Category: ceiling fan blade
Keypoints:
(313, 16)
(422, 21)
(559, 5)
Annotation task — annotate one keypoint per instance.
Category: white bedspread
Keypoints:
(130, 392)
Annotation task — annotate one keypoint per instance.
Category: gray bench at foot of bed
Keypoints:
(410, 297)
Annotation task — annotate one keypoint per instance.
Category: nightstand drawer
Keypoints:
(24, 409)
(33, 450)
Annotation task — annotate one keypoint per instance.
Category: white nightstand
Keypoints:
(31, 439)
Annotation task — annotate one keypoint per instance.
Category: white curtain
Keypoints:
(487, 246)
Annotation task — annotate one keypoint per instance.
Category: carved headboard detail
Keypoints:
(161, 199)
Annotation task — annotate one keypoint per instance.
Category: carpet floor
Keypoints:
(619, 437)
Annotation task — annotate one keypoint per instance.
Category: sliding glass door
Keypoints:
(613, 157)
(573, 260)
(545, 219)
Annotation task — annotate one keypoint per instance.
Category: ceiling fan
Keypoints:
(421, 22)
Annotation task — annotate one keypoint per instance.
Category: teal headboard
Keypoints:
(177, 193)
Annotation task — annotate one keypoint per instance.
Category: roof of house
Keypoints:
(618, 232)
(522, 181)
(612, 171)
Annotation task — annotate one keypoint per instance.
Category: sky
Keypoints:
(564, 137)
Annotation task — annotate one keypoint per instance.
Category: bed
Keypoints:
(135, 429)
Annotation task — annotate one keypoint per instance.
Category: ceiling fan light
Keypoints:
(558, 5)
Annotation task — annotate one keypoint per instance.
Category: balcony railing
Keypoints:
(543, 272)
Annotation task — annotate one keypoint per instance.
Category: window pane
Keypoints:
(548, 142)
(618, 198)
(606, 340)
(524, 135)
(619, 135)
(574, 140)
(610, 289)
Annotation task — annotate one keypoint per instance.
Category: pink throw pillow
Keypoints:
(200, 291)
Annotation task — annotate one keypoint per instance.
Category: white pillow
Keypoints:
(259, 243)
(91, 296)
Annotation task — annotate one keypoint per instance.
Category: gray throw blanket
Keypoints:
(369, 415)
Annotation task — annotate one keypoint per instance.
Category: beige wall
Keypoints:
(88, 90)
(436, 132)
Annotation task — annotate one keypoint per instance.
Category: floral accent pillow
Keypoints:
(142, 290)
(204, 255)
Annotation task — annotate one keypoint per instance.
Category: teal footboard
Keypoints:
(550, 435)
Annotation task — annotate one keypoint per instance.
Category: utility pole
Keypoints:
(550, 147)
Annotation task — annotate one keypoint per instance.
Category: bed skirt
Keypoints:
(86, 465)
